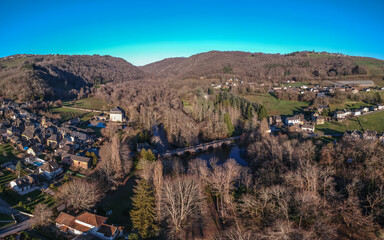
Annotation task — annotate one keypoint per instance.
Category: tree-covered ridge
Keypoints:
(56, 76)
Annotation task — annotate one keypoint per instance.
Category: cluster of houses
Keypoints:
(340, 115)
(34, 135)
(352, 86)
(232, 82)
(366, 135)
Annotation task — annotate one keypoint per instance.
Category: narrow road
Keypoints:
(17, 227)
(23, 222)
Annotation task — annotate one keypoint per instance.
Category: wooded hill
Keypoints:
(258, 66)
(27, 77)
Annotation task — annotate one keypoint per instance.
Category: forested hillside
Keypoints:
(272, 67)
(26, 77)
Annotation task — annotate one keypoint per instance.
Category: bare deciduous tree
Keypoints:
(181, 201)
(79, 194)
(42, 214)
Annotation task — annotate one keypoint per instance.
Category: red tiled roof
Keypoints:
(91, 219)
(65, 219)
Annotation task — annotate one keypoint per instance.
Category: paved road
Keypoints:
(17, 227)
(23, 221)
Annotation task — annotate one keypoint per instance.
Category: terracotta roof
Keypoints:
(80, 227)
(91, 219)
(65, 219)
(107, 230)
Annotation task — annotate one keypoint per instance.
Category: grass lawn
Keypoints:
(6, 154)
(67, 114)
(375, 67)
(7, 177)
(89, 103)
(275, 106)
(374, 121)
(335, 127)
(30, 200)
(120, 203)
(348, 104)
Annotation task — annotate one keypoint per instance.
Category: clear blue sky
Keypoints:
(145, 31)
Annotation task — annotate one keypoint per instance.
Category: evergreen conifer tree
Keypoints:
(143, 212)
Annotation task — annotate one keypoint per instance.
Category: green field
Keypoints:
(275, 106)
(29, 200)
(89, 103)
(375, 67)
(7, 177)
(349, 105)
(6, 153)
(374, 121)
(67, 114)
(335, 127)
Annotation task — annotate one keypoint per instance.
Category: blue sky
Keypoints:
(146, 31)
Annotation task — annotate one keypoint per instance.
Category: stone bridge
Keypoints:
(198, 148)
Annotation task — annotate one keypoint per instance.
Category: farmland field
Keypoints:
(275, 106)
(67, 113)
(89, 103)
(374, 121)
(349, 105)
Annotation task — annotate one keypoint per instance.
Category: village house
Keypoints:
(116, 115)
(370, 135)
(35, 150)
(76, 161)
(87, 223)
(13, 131)
(52, 141)
(50, 169)
(356, 112)
(320, 120)
(356, 134)
(365, 109)
(24, 183)
(307, 128)
(289, 121)
(380, 107)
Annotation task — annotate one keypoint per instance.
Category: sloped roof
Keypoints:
(85, 217)
(50, 166)
(107, 230)
(65, 219)
(91, 219)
